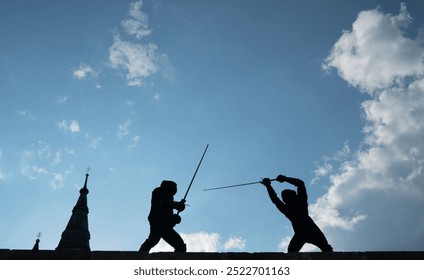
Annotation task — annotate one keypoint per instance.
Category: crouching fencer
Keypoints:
(294, 205)
(162, 218)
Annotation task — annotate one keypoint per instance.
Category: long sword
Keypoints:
(192, 179)
(233, 186)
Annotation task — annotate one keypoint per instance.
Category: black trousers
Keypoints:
(168, 234)
(312, 234)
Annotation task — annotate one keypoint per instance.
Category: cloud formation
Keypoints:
(235, 243)
(40, 161)
(137, 23)
(28, 168)
(83, 72)
(57, 181)
(375, 54)
(25, 114)
(123, 129)
(378, 193)
(129, 55)
(138, 60)
(62, 99)
(204, 242)
(72, 126)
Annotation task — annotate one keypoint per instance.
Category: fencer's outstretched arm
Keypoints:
(273, 195)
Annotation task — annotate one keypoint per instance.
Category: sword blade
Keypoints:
(234, 186)
(192, 179)
(195, 172)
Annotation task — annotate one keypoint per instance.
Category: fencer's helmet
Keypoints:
(169, 186)
(288, 196)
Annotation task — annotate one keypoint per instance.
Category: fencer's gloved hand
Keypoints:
(266, 182)
(281, 178)
(180, 206)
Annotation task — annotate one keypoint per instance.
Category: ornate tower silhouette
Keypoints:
(76, 235)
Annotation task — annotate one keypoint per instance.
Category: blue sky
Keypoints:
(331, 92)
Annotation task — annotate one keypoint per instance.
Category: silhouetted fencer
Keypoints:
(294, 205)
(162, 218)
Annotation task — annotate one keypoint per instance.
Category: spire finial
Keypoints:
(86, 177)
(38, 235)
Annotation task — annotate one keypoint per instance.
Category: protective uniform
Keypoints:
(162, 218)
(295, 207)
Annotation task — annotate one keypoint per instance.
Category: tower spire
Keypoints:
(76, 235)
(37, 242)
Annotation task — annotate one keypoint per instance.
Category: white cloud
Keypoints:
(157, 96)
(72, 126)
(25, 166)
(130, 103)
(124, 132)
(136, 25)
(203, 242)
(327, 165)
(62, 125)
(83, 72)
(130, 56)
(95, 142)
(284, 243)
(57, 158)
(36, 162)
(123, 129)
(165, 65)
(235, 243)
(69, 151)
(375, 54)
(134, 142)
(321, 171)
(62, 99)
(57, 181)
(32, 171)
(25, 114)
(44, 150)
(378, 192)
(137, 60)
